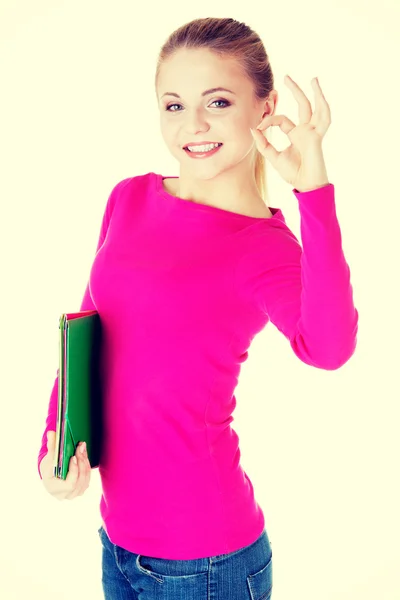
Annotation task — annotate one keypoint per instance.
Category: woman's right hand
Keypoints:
(78, 476)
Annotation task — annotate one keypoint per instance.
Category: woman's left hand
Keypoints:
(302, 164)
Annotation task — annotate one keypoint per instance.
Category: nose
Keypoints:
(195, 122)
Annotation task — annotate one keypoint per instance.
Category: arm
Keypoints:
(86, 304)
(306, 291)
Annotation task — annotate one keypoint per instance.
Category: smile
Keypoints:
(202, 154)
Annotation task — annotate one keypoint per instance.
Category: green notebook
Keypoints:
(79, 412)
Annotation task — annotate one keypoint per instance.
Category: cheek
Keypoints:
(242, 122)
(172, 139)
(169, 133)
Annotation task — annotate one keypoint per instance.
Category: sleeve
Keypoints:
(86, 304)
(306, 291)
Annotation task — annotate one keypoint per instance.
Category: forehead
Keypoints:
(188, 66)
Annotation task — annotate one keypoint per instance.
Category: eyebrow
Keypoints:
(210, 91)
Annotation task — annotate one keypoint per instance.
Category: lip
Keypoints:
(199, 144)
(202, 155)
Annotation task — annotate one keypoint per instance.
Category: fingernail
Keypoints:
(83, 448)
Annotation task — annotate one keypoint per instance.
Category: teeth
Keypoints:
(202, 148)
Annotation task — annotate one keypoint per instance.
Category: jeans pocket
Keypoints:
(163, 570)
(260, 583)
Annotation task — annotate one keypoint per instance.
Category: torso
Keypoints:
(262, 211)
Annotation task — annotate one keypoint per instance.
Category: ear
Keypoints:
(270, 104)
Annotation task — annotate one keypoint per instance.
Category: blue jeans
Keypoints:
(245, 574)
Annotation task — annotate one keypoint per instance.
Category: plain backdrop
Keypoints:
(78, 113)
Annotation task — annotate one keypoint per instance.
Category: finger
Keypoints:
(86, 470)
(82, 463)
(305, 108)
(321, 118)
(77, 485)
(318, 91)
(73, 473)
(285, 124)
(84, 473)
(265, 148)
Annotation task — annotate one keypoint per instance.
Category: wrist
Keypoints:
(311, 188)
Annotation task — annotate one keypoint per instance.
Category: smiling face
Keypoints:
(218, 116)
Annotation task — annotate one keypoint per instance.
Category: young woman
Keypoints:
(188, 270)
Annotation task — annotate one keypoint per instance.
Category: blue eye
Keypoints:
(225, 102)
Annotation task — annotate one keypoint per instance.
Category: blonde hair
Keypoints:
(228, 38)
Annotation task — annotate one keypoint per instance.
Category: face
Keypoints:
(220, 116)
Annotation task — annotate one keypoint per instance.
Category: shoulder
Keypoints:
(128, 184)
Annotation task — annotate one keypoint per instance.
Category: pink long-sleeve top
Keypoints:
(182, 288)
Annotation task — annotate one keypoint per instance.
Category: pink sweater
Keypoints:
(182, 289)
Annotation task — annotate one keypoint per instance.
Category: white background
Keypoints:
(78, 114)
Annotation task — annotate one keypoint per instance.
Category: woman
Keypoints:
(188, 270)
